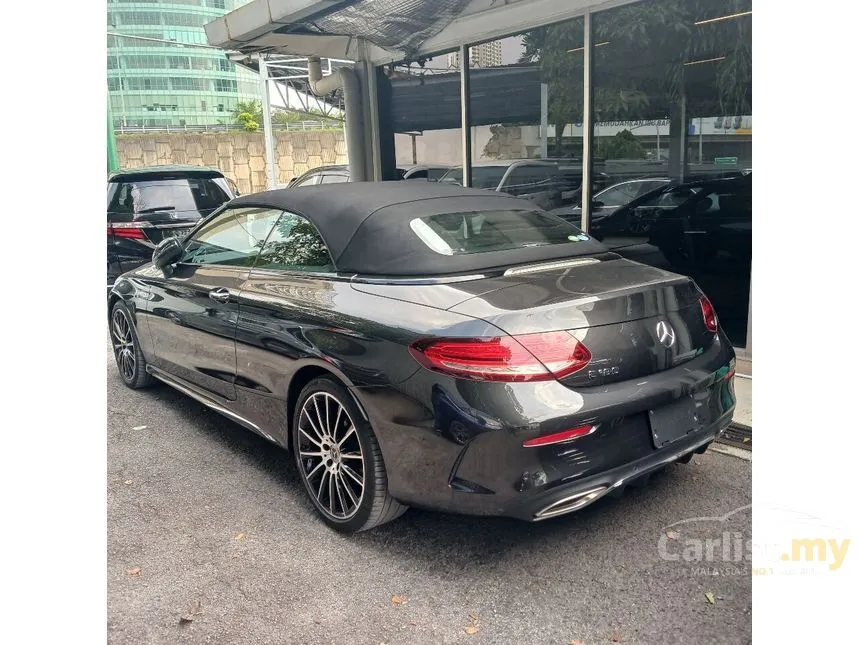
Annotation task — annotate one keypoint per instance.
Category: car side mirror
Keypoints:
(167, 252)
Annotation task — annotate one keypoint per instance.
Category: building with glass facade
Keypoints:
(159, 78)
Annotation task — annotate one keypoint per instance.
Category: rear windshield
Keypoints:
(152, 195)
(496, 230)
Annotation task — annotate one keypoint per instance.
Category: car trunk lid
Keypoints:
(634, 319)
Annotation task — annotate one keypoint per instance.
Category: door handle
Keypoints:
(220, 294)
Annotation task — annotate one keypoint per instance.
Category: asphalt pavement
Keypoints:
(212, 540)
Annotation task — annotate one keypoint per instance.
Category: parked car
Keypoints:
(145, 205)
(428, 172)
(322, 175)
(426, 344)
(541, 182)
(339, 174)
(704, 220)
(610, 199)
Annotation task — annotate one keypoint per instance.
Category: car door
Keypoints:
(193, 308)
(288, 300)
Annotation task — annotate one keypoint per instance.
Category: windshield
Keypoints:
(482, 176)
(496, 230)
(181, 194)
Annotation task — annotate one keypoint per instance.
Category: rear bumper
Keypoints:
(462, 449)
(584, 492)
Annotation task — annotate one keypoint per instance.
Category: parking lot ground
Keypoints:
(212, 540)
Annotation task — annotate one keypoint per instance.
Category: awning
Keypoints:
(388, 30)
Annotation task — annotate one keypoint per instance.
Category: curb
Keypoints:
(727, 449)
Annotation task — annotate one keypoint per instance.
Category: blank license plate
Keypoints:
(672, 422)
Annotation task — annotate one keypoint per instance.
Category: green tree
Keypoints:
(623, 145)
(249, 114)
(639, 55)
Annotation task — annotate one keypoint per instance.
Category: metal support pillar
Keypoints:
(465, 115)
(700, 141)
(678, 140)
(268, 139)
(544, 119)
(371, 115)
(683, 139)
(587, 123)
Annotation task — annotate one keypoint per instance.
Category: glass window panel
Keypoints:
(295, 245)
(233, 237)
(673, 104)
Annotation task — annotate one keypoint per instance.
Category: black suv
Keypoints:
(145, 205)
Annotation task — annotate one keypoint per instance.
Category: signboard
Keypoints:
(725, 161)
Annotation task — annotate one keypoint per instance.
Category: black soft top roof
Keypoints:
(366, 225)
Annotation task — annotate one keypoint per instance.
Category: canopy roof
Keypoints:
(388, 30)
(367, 226)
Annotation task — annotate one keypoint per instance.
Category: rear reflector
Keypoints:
(530, 357)
(709, 314)
(558, 437)
(128, 230)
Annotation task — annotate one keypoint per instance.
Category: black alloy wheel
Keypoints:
(339, 459)
(126, 348)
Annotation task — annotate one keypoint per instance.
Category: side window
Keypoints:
(418, 174)
(618, 195)
(234, 237)
(334, 179)
(313, 180)
(295, 245)
(648, 186)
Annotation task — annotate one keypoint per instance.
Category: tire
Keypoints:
(130, 362)
(328, 455)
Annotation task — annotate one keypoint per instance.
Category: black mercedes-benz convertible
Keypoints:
(428, 345)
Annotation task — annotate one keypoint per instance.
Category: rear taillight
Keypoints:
(128, 230)
(529, 357)
(709, 314)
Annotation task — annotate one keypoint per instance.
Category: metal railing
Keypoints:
(226, 127)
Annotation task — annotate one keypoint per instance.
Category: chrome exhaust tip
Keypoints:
(571, 503)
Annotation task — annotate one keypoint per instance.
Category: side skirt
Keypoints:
(208, 401)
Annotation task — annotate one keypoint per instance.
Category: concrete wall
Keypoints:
(488, 142)
(239, 155)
